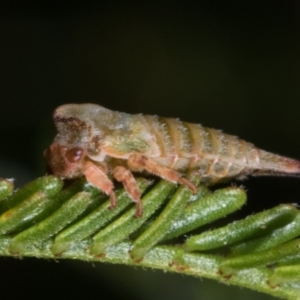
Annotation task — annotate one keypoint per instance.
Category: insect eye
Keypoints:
(74, 154)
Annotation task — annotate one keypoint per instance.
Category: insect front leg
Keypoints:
(96, 176)
(139, 162)
(123, 175)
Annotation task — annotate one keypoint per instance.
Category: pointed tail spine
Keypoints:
(273, 164)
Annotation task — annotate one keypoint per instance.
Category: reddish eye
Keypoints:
(74, 154)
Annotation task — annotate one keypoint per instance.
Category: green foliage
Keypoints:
(260, 252)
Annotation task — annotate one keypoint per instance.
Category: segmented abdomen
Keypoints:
(213, 154)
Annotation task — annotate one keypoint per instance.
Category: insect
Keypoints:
(103, 145)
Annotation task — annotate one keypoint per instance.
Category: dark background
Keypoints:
(228, 65)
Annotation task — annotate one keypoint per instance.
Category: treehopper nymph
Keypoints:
(103, 145)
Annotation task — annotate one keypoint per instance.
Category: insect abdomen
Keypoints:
(212, 153)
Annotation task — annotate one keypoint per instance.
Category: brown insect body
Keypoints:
(96, 142)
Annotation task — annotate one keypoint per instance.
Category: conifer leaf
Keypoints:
(260, 252)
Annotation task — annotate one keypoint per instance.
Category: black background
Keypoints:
(228, 65)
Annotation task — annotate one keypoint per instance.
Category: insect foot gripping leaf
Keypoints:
(95, 142)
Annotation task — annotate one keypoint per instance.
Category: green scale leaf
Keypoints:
(43, 219)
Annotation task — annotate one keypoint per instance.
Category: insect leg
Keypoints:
(123, 175)
(139, 162)
(99, 179)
